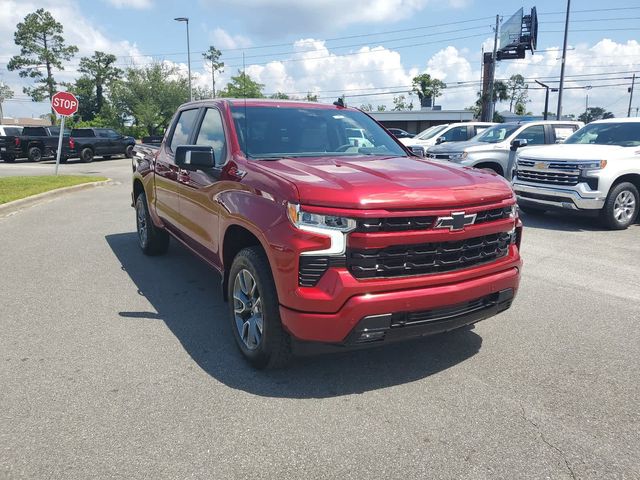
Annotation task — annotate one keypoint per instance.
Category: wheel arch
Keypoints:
(236, 237)
(492, 164)
(633, 178)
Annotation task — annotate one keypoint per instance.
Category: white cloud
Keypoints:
(223, 40)
(136, 4)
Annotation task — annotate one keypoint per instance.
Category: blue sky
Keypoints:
(391, 40)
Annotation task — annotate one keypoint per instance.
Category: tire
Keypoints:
(263, 343)
(152, 240)
(621, 208)
(35, 154)
(86, 155)
(532, 210)
(129, 151)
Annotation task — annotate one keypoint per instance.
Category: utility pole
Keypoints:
(586, 108)
(564, 59)
(633, 82)
(492, 77)
(186, 20)
(546, 98)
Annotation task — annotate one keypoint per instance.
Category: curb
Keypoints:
(17, 205)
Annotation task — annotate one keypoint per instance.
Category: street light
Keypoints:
(186, 20)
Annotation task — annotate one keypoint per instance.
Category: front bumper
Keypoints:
(578, 197)
(384, 311)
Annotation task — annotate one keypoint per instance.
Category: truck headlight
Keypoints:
(458, 157)
(588, 167)
(332, 226)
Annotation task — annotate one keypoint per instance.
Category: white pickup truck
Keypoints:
(597, 168)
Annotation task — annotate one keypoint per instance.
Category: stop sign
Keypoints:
(64, 103)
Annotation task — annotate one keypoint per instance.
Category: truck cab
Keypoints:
(322, 244)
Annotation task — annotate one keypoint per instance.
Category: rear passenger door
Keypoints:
(199, 212)
(102, 144)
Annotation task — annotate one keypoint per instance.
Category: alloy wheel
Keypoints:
(247, 308)
(624, 208)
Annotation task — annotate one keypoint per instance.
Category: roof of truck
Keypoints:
(265, 102)
(619, 120)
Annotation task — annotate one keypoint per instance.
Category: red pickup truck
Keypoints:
(323, 242)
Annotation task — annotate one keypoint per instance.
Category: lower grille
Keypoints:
(427, 258)
(311, 268)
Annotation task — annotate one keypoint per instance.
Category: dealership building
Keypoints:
(415, 121)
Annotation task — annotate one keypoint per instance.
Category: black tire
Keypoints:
(35, 154)
(621, 208)
(273, 350)
(9, 159)
(532, 210)
(129, 151)
(86, 155)
(154, 241)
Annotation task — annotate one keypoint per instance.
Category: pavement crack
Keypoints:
(548, 443)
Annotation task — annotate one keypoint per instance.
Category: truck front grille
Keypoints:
(426, 258)
(553, 173)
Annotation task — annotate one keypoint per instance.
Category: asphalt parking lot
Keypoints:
(115, 365)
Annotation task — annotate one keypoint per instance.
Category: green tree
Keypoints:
(366, 107)
(518, 93)
(42, 46)
(84, 90)
(280, 96)
(150, 96)
(381, 108)
(427, 88)
(213, 57)
(400, 103)
(242, 86)
(100, 70)
(500, 94)
(5, 94)
(594, 113)
(202, 93)
(311, 97)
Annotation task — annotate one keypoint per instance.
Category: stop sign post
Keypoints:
(64, 104)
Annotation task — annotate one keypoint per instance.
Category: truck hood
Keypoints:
(364, 182)
(468, 146)
(576, 152)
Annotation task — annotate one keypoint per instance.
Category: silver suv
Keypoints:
(597, 168)
(495, 148)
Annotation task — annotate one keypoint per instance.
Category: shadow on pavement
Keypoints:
(563, 222)
(185, 293)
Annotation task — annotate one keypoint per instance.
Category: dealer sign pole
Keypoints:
(64, 104)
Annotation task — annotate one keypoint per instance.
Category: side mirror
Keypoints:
(419, 151)
(195, 157)
(440, 140)
(518, 143)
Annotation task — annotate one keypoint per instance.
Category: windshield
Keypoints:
(497, 133)
(622, 134)
(431, 132)
(274, 132)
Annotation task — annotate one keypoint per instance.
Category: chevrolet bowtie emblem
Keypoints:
(457, 221)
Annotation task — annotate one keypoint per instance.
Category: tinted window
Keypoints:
(533, 135)
(35, 131)
(82, 132)
(103, 133)
(212, 133)
(12, 131)
(497, 133)
(113, 134)
(624, 134)
(183, 128)
(456, 134)
(310, 131)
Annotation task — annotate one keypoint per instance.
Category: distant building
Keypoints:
(26, 122)
(415, 121)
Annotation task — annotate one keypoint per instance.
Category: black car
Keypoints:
(34, 143)
(399, 133)
(87, 143)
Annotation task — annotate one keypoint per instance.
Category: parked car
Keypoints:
(450, 132)
(87, 143)
(6, 130)
(399, 133)
(322, 244)
(495, 148)
(358, 137)
(34, 143)
(596, 169)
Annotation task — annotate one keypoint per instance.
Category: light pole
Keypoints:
(546, 97)
(186, 20)
(564, 60)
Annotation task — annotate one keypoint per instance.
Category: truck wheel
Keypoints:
(532, 210)
(129, 151)
(152, 240)
(254, 309)
(35, 154)
(621, 208)
(86, 155)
